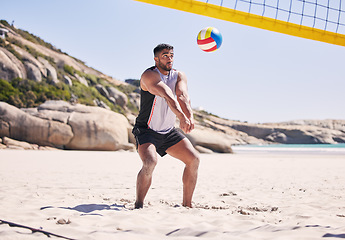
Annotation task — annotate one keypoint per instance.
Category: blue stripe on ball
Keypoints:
(217, 37)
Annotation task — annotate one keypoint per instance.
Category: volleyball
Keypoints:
(209, 39)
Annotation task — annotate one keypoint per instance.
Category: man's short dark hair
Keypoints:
(161, 47)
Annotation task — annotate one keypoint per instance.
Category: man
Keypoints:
(164, 97)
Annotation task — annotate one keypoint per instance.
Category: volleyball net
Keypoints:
(320, 20)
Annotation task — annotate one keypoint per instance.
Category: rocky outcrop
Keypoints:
(102, 90)
(33, 72)
(294, 132)
(223, 127)
(59, 58)
(10, 66)
(327, 124)
(14, 144)
(65, 126)
(210, 140)
(62, 125)
(120, 98)
(51, 71)
(28, 59)
(82, 80)
(21, 126)
(67, 80)
(134, 99)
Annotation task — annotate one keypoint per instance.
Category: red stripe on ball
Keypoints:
(205, 41)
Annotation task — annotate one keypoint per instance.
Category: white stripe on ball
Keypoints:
(207, 45)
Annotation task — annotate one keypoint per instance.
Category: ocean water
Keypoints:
(338, 149)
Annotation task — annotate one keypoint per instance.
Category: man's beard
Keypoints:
(165, 67)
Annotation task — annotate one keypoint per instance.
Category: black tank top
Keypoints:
(154, 111)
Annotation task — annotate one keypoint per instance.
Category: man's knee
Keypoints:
(150, 162)
(194, 160)
(148, 155)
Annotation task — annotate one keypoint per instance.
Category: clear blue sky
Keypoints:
(256, 75)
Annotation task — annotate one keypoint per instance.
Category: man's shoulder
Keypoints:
(151, 69)
(149, 76)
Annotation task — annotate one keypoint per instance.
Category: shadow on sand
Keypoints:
(87, 209)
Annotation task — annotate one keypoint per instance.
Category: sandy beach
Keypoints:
(90, 195)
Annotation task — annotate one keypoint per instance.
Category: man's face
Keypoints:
(165, 59)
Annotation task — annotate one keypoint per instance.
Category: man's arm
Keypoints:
(183, 98)
(151, 82)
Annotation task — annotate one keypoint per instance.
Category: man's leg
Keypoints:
(148, 155)
(185, 152)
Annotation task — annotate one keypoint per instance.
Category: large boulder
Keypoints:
(104, 130)
(94, 128)
(212, 140)
(17, 124)
(62, 125)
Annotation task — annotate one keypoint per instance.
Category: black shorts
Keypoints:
(161, 141)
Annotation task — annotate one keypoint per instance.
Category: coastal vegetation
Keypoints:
(28, 92)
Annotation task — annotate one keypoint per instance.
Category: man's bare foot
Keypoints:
(187, 205)
(138, 205)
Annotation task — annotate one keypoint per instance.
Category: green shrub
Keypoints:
(69, 69)
(28, 93)
(86, 95)
(5, 23)
(91, 79)
(6, 90)
(10, 49)
(127, 89)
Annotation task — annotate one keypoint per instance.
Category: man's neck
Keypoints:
(164, 72)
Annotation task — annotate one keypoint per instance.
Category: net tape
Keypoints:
(328, 15)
